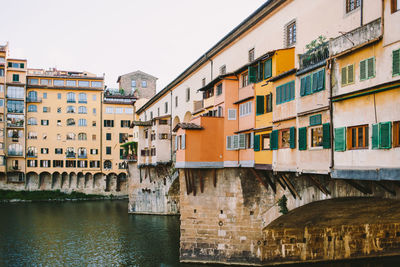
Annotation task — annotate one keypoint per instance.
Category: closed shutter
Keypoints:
(260, 105)
(326, 135)
(385, 136)
(350, 74)
(22, 65)
(269, 103)
(308, 85)
(321, 80)
(242, 141)
(371, 67)
(303, 86)
(303, 138)
(252, 74)
(183, 141)
(396, 62)
(235, 142)
(229, 143)
(363, 70)
(314, 82)
(278, 95)
(315, 120)
(292, 137)
(375, 136)
(259, 71)
(268, 69)
(257, 142)
(274, 140)
(291, 85)
(344, 76)
(340, 139)
(251, 140)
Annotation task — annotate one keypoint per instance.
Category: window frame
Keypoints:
(310, 135)
(280, 137)
(290, 33)
(365, 136)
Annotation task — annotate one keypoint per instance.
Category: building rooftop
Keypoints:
(53, 72)
(187, 126)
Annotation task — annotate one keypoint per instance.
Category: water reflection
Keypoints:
(97, 234)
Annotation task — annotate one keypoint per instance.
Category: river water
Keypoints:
(98, 233)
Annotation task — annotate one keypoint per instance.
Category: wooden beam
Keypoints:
(269, 181)
(318, 184)
(279, 180)
(186, 181)
(259, 178)
(193, 182)
(215, 178)
(290, 185)
(384, 186)
(357, 186)
(201, 181)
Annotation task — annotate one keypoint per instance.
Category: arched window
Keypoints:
(32, 151)
(82, 122)
(32, 135)
(82, 152)
(71, 97)
(15, 150)
(15, 133)
(107, 164)
(70, 109)
(82, 136)
(32, 121)
(70, 122)
(32, 96)
(70, 152)
(32, 108)
(82, 110)
(70, 136)
(82, 98)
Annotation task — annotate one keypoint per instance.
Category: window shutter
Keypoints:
(314, 82)
(396, 62)
(257, 142)
(350, 74)
(385, 136)
(363, 70)
(251, 140)
(308, 85)
(344, 76)
(252, 74)
(22, 65)
(292, 137)
(326, 135)
(371, 67)
(375, 136)
(291, 89)
(340, 139)
(269, 103)
(176, 142)
(242, 141)
(236, 142)
(274, 140)
(303, 138)
(9, 64)
(260, 105)
(228, 143)
(277, 95)
(315, 120)
(321, 80)
(303, 87)
(259, 71)
(183, 140)
(268, 69)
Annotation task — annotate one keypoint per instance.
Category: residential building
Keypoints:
(139, 83)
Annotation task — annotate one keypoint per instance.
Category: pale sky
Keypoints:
(159, 37)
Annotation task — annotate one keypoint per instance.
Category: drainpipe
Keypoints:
(362, 12)
(170, 129)
(331, 67)
(382, 17)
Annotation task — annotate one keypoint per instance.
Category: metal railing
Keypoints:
(314, 56)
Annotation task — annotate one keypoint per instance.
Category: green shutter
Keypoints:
(22, 65)
(326, 135)
(308, 85)
(259, 71)
(278, 95)
(321, 80)
(260, 105)
(303, 86)
(269, 102)
(315, 120)
(314, 85)
(344, 76)
(291, 85)
(252, 74)
(15, 78)
(274, 140)
(396, 62)
(371, 67)
(350, 74)
(10, 64)
(256, 142)
(340, 139)
(303, 138)
(363, 70)
(385, 136)
(292, 137)
(375, 136)
(267, 69)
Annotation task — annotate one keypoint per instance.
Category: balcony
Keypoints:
(70, 155)
(31, 154)
(314, 57)
(14, 153)
(71, 101)
(209, 102)
(16, 124)
(82, 101)
(129, 157)
(33, 100)
(82, 156)
(198, 106)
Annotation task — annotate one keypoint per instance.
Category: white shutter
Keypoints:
(252, 140)
(236, 142)
(229, 143)
(183, 145)
(242, 141)
(231, 114)
(176, 142)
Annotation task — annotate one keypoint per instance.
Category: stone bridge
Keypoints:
(234, 216)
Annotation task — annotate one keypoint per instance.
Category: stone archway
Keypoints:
(45, 181)
(32, 181)
(110, 181)
(176, 121)
(64, 178)
(188, 117)
(88, 177)
(121, 183)
(72, 180)
(80, 181)
(98, 182)
(56, 180)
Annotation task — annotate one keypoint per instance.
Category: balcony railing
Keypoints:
(33, 100)
(198, 105)
(314, 56)
(15, 124)
(208, 102)
(71, 101)
(31, 155)
(82, 156)
(14, 153)
(82, 101)
(129, 157)
(70, 155)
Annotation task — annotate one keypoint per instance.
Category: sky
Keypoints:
(159, 37)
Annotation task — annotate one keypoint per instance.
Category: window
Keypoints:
(16, 65)
(396, 133)
(44, 150)
(82, 98)
(268, 69)
(82, 152)
(32, 108)
(58, 110)
(352, 4)
(187, 95)
(58, 164)
(107, 164)
(263, 104)
(58, 95)
(71, 83)
(94, 151)
(251, 55)
(284, 138)
(108, 150)
(93, 137)
(245, 79)
(219, 89)
(44, 122)
(46, 109)
(245, 109)
(125, 123)
(33, 81)
(32, 135)
(367, 69)
(58, 150)
(166, 107)
(70, 97)
(32, 121)
(14, 106)
(1, 72)
(109, 110)
(82, 122)
(119, 110)
(144, 84)
(203, 82)
(82, 136)
(58, 136)
(15, 77)
(395, 5)
(108, 123)
(94, 110)
(94, 164)
(176, 101)
(268, 100)
(357, 137)
(58, 83)
(70, 136)
(347, 75)
(133, 84)
(82, 163)
(97, 84)
(94, 123)
(163, 136)
(83, 83)
(316, 136)
(15, 150)
(231, 114)
(312, 83)
(70, 163)
(222, 70)
(15, 92)
(70, 122)
(82, 110)
(70, 152)
(45, 163)
(163, 122)
(32, 163)
(123, 137)
(285, 93)
(1, 103)
(128, 110)
(265, 142)
(45, 82)
(158, 112)
(31, 151)
(291, 34)
(396, 61)
(94, 97)
(108, 136)
(70, 109)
